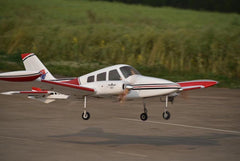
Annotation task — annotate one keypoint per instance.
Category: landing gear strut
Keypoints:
(85, 114)
(166, 115)
(144, 115)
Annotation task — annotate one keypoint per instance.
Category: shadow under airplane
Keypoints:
(99, 137)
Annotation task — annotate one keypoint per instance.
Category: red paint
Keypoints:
(69, 85)
(197, 84)
(21, 78)
(36, 89)
(43, 71)
(73, 81)
(25, 55)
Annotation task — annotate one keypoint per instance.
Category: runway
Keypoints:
(204, 125)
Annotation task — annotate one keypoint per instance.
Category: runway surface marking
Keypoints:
(187, 126)
(132, 154)
(21, 139)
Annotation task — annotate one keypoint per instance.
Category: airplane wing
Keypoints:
(196, 84)
(68, 88)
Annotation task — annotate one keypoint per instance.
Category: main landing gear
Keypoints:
(166, 115)
(85, 114)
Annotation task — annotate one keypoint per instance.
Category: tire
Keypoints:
(144, 116)
(85, 117)
(166, 115)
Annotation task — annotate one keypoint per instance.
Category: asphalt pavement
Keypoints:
(204, 126)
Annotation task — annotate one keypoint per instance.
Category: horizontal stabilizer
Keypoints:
(38, 94)
(42, 99)
(20, 76)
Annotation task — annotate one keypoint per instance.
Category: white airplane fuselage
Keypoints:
(139, 86)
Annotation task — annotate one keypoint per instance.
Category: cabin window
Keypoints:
(101, 77)
(128, 71)
(90, 78)
(113, 75)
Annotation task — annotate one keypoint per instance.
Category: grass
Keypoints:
(82, 36)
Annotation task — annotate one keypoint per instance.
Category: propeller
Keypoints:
(184, 95)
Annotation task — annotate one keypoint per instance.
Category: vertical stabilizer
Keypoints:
(32, 63)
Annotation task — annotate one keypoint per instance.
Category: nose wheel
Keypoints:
(166, 115)
(144, 115)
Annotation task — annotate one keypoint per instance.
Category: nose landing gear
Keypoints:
(144, 115)
(166, 115)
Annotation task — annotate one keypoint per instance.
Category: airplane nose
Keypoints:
(154, 83)
(144, 86)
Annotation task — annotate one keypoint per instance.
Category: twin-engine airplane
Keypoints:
(120, 80)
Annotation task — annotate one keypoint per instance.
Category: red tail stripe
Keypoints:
(25, 55)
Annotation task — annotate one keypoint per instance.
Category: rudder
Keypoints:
(32, 63)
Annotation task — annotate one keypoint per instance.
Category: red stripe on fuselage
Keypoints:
(156, 86)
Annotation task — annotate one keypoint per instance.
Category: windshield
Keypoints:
(128, 71)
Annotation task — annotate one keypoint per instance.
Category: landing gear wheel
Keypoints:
(85, 116)
(144, 116)
(166, 115)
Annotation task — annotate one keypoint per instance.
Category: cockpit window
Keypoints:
(101, 77)
(90, 78)
(128, 71)
(113, 75)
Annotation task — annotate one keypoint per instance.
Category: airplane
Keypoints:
(119, 80)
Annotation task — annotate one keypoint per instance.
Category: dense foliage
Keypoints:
(208, 5)
(76, 37)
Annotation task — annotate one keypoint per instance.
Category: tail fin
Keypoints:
(32, 63)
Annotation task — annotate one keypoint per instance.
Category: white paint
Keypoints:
(19, 73)
(132, 154)
(32, 63)
(186, 126)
